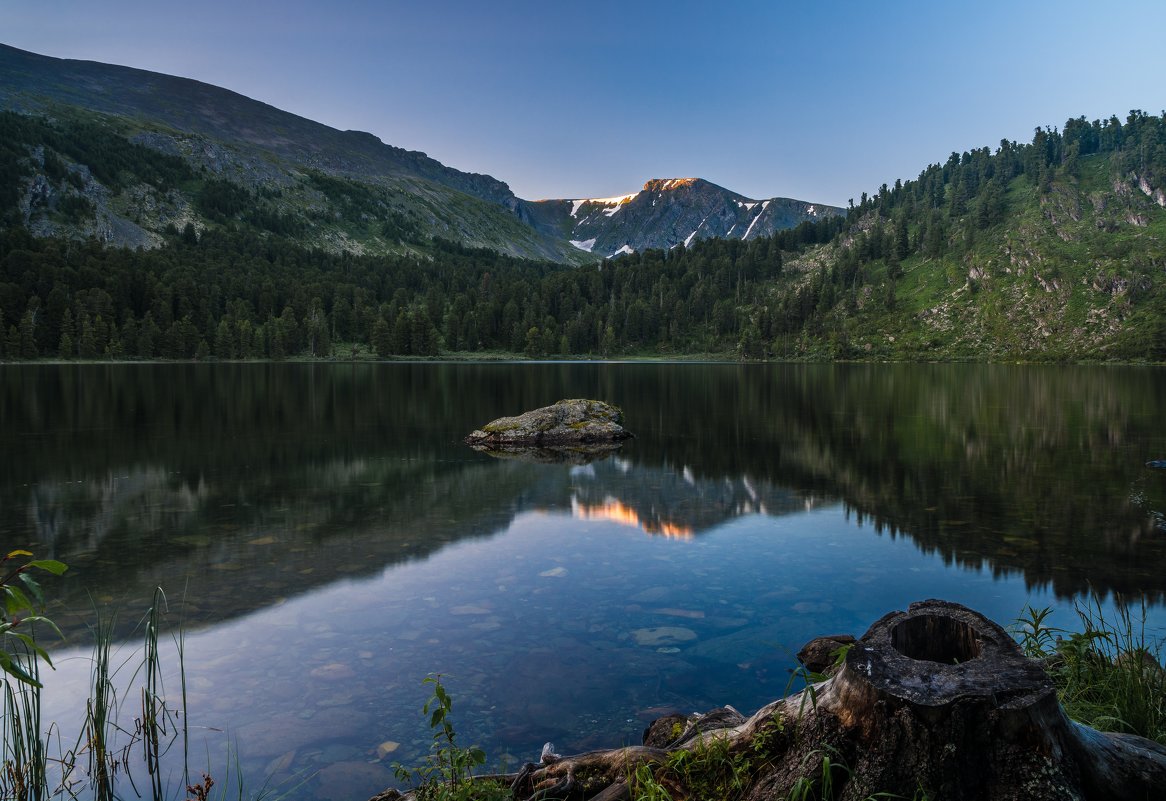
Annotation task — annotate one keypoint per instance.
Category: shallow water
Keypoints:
(325, 540)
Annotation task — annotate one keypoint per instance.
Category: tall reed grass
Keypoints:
(1108, 671)
(113, 750)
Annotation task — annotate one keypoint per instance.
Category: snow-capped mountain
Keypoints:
(670, 212)
(252, 165)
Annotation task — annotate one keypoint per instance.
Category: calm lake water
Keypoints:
(325, 539)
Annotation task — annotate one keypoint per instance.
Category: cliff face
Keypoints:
(670, 212)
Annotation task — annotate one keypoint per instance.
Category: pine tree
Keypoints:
(129, 337)
(224, 342)
(28, 348)
(381, 337)
(533, 342)
(87, 340)
(67, 344)
(148, 337)
(316, 329)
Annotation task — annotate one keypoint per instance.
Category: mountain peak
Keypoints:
(666, 184)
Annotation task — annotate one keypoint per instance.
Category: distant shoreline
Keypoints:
(517, 358)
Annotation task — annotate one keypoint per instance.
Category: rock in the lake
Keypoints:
(819, 655)
(568, 422)
(663, 635)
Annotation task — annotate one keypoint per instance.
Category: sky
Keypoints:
(815, 100)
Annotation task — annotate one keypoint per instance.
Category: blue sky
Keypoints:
(815, 100)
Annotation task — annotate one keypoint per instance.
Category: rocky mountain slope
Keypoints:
(342, 191)
(669, 212)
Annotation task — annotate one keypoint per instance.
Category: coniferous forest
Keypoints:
(1050, 249)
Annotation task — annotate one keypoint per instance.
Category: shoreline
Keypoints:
(517, 358)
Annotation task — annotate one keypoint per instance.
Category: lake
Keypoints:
(325, 540)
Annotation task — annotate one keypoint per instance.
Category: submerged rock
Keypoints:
(663, 635)
(568, 422)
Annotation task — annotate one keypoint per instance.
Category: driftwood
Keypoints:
(937, 699)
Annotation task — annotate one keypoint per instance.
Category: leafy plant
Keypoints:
(23, 754)
(448, 772)
(21, 598)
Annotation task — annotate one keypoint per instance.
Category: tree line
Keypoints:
(239, 289)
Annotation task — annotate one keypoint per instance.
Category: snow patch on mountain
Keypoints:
(760, 214)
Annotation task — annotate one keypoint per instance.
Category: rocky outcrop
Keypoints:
(568, 422)
(667, 213)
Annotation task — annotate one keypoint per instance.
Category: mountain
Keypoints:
(258, 234)
(668, 212)
(336, 189)
(342, 191)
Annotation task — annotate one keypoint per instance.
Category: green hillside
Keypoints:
(1047, 251)
(1052, 250)
(77, 174)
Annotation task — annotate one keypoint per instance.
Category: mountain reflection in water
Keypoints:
(294, 476)
(327, 539)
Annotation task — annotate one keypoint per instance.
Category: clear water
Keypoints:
(326, 541)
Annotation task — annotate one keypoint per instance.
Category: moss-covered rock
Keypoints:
(567, 422)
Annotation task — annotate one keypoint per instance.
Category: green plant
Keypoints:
(819, 784)
(447, 774)
(710, 768)
(1108, 674)
(21, 598)
(646, 786)
(23, 754)
(105, 753)
(23, 775)
(810, 679)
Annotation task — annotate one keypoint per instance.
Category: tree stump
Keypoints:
(941, 699)
(936, 702)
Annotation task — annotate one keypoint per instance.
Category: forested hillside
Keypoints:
(1048, 250)
(127, 182)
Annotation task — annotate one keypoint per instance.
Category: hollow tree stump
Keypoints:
(936, 699)
(941, 698)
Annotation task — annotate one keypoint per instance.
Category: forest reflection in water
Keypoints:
(324, 524)
(140, 473)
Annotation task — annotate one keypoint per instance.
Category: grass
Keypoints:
(1108, 674)
(23, 754)
(118, 744)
